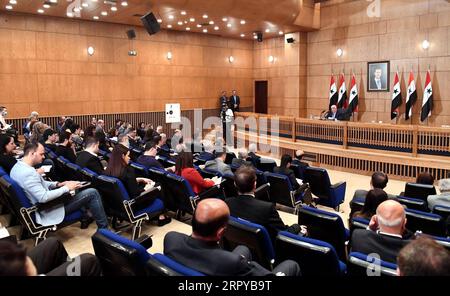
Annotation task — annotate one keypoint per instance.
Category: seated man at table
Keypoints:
(338, 114)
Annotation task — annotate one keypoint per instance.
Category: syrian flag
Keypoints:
(342, 97)
(333, 93)
(353, 105)
(411, 97)
(396, 98)
(427, 103)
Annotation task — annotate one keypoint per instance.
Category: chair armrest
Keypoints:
(262, 192)
(145, 241)
(337, 185)
(146, 195)
(53, 203)
(213, 191)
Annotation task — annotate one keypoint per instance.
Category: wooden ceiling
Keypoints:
(218, 17)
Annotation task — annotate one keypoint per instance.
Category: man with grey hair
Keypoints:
(386, 234)
(159, 129)
(252, 148)
(208, 154)
(442, 199)
(241, 159)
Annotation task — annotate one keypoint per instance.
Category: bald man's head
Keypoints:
(210, 219)
(299, 154)
(391, 217)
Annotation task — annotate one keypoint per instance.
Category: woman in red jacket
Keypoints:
(184, 167)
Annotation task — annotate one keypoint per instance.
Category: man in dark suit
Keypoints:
(235, 101)
(148, 158)
(88, 158)
(252, 148)
(377, 80)
(298, 162)
(201, 250)
(387, 234)
(223, 100)
(241, 159)
(338, 114)
(246, 206)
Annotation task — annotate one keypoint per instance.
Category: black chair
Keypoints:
(266, 165)
(252, 235)
(325, 226)
(263, 192)
(75, 172)
(299, 170)
(356, 205)
(230, 157)
(120, 256)
(120, 206)
(419, 191)
(260, 178)
(329, 195)
(228, 186)
(25, 211)
(413, 203)
(428, 223)
(88, 175)
(140, 170)
(360, 264)
(281, 191)
(315, 257)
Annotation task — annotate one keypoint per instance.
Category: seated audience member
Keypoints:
(149, 135)
(123, 140)
(133, 140)
(184, 167)
(161, 146)
(246, 206)
(218, 164)
(442, 199)
(100, 126)
(284, 169)
(386, 235)
(201, 250)
(38, 132)
(26, 128)
(40, 191)
(140, 131)
(7, 155)
(48, 258)
(101, 137)
(89, 158)
(118, 123)
(252, 148)
(94, 122)
(373, 199)
(118, 168)
(66, 147)
(176, 139)
(379, 180)
(50, 139)
(208, 154)
(148, 158)
(180, 148)
(77, 136)
(298, 159)
(163, 143)
(423, 257)
(159, 129)
(113, 133)
(68, 125)
(60, 124)
(89, 131)
(425, 178)
(241, 159)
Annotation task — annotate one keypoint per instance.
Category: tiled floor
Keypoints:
(78, 241)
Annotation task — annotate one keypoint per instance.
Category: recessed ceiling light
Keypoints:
(205, 16)
(113, 8)
(9, 7)
(242, 35)
(229, 25)
(104, 13)
(199, 26)
(183, 12)
(242, 22)
(69, 14)
(205, 30)
(76, 9)
(40, 10)
(171, 17)
(159, 20)
(255, 37)
(124, 3)
(85, 4)
(225, 19)
(192, 19)
(211, 22)
(12, 2)
(180, 23)
(46, 5)
(169, 26)
(280, 33)
(216, 28)
(95, 17)
(188, 29)
(267, 30)
(53, 1)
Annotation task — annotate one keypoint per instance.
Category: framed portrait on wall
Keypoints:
(378, 76)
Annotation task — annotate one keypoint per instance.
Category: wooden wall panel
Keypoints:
(44, 66)
(396, 36)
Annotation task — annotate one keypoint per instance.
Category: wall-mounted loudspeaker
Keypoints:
(150, 23)
(290, 40)
(131, 34)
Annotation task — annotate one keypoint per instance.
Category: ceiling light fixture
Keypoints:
(242, 22)
(9, 7)
(280, 33)
(171, 17)
(90, 50)
(339, 52)
(159, 20)
(192, 19)
(169, 55)
(12, 2)
(113, 8)
(425, 44)
(229, 25)
(216, 28)
(183, 12)
(104, 13)
(205, 30)
(40, 10)
(205, 16)
(124, 3)
(180, 23)
(225, 19)
(169, 26)
(267, 30)
(231, 59)
(188, 29)
(95, 17)
(46, 6)
(85, 4)
(271, 59)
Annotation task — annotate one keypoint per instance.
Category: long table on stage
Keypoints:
(402, 151)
